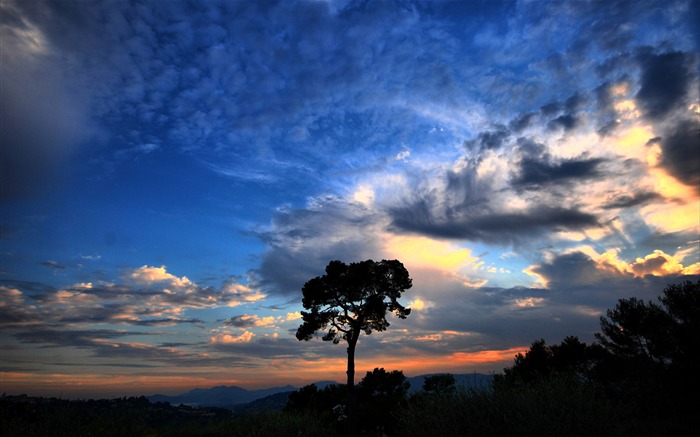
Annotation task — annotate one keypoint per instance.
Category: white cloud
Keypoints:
(151, 275)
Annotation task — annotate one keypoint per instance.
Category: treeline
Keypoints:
(132, 416)
(639, 378)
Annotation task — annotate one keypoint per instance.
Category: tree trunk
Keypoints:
(352, 342)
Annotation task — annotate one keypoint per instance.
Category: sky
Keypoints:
(173, 172)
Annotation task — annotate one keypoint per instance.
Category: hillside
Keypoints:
(240, 399)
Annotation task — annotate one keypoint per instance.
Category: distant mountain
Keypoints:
(275, 402)
(467, 380)
(220, 396)
(240, 399)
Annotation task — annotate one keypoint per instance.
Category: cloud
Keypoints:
(150, 297)
(53, 265)
(501, 228)
(679, 145)
(151, 275)
(564, 121)
(536, 172)
(302, 241)
(628, 201)
(15, 311)
(249, 321)
(587, 268)
(494, 138)
(522, 121)
(246, 337)
(664, 83)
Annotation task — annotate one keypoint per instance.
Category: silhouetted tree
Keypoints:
(311, 398)
(382, 384)
(569, 358)
(636, 330)
(380, 394)
(664, 335)
(439, 384)
(654, 348)
(682, 302)
(350, 299)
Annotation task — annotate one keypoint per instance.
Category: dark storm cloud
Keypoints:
(463, 209)
(575, 102)
(664, 82)
(680, 146)
(169, 321)
(241, 321)
(499, 228)
(577, 293)
(534, 173)
(550, 109)
(564, 121)
(281, 347)
(490, 139)
(572, 270)
(522, 121)
(576, 278)
(53, 265)
(61, 336)
(626, 201)
(605, 116)
(608, 128)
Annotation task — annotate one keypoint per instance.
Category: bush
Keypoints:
(277, 423)
(552, 406)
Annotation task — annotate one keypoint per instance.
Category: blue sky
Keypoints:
(173, 172)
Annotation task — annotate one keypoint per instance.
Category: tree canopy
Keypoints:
(646, 354)
(664, 334)
(353, 298)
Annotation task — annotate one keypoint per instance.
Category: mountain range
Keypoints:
(233, 396)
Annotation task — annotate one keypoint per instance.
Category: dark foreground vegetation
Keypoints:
(640, 378)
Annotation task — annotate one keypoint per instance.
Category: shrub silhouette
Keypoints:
(439, 384)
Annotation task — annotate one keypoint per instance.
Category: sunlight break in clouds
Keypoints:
(656, 263)
(426, 252)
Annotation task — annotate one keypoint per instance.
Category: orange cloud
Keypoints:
(657, 263)
(419, 304)
(458, 362)
(229, 339)
(438, 336)
(242, 294)
(293, 316)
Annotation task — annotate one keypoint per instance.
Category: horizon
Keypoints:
(178, 392)
(172, 174)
